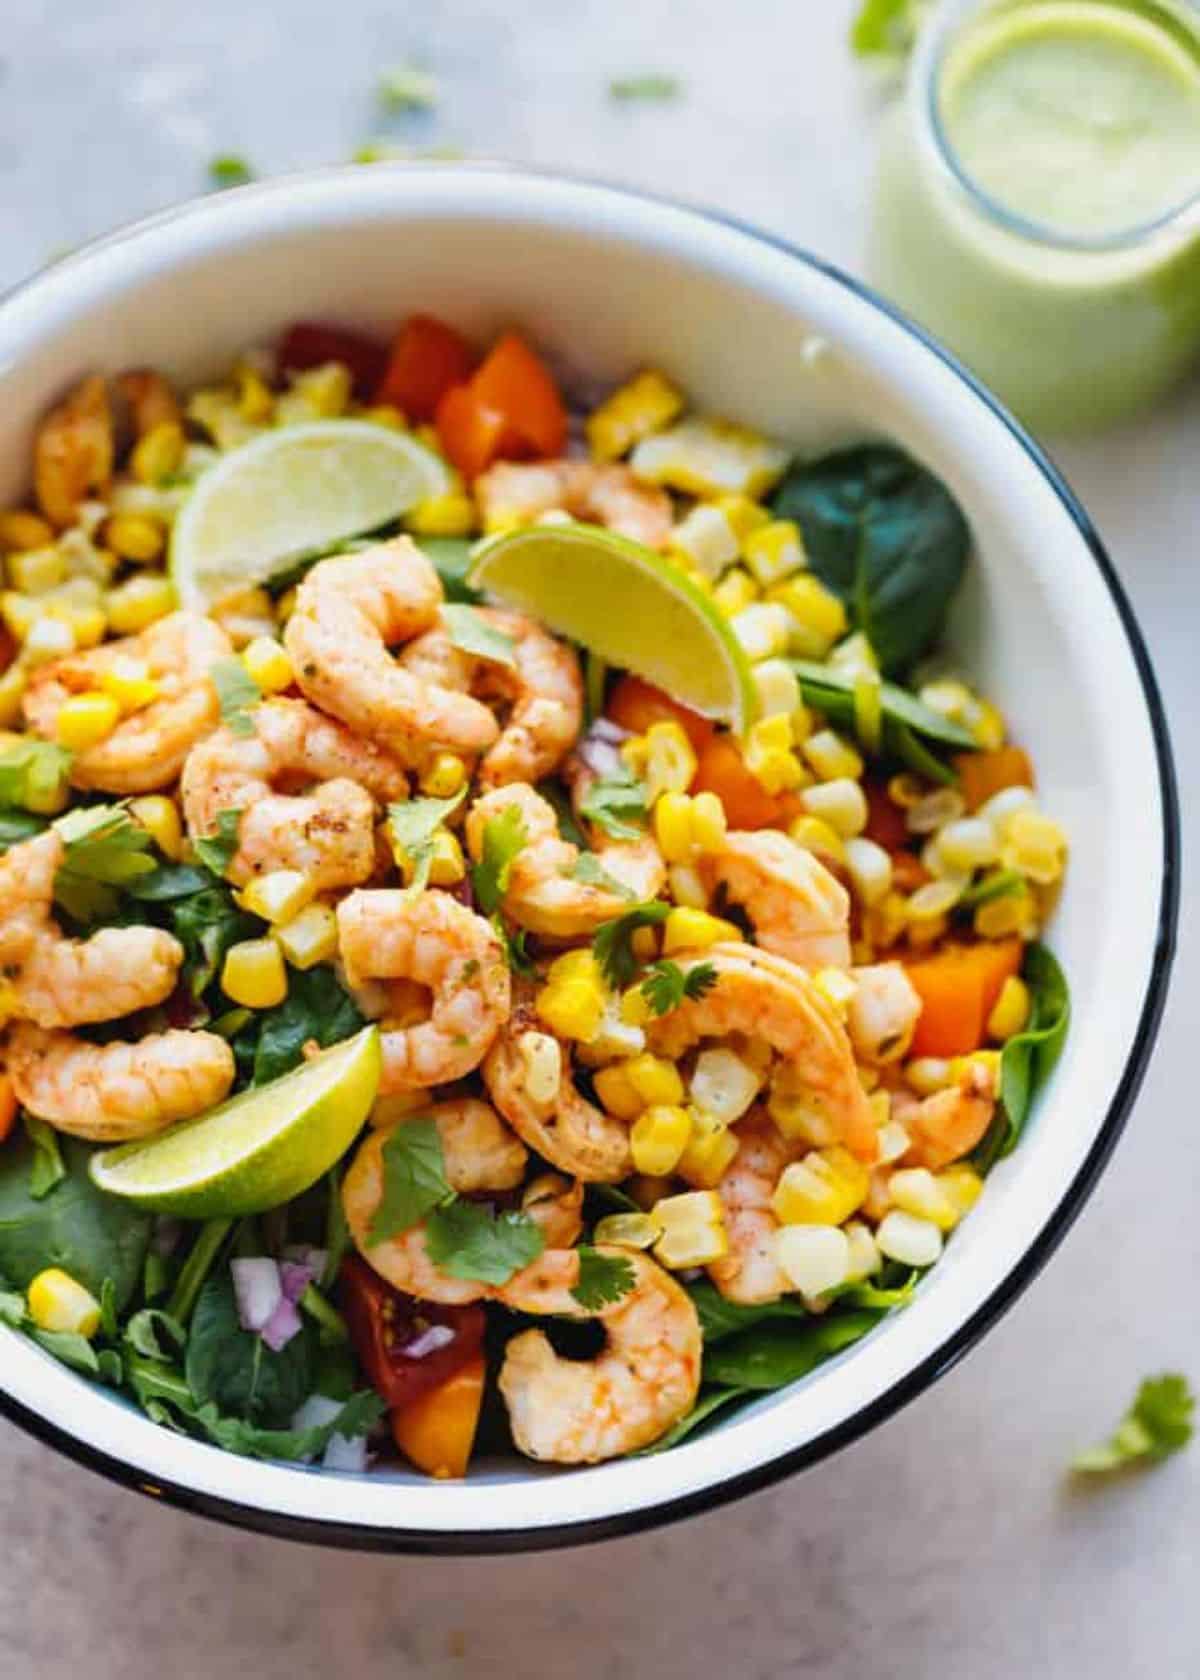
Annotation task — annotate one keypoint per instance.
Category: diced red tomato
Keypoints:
(8, 1106)
(309, 344)
(426, 360)
(385, 1325)
(635, 705)
(885, 819)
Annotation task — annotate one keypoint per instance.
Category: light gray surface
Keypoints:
(948, 1537)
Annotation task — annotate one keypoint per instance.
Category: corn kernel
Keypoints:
(254, 974)
(814, 1258)
(913, 1242)
(693, 1229)
(841, 803)
(927, 1074)
(886, 921)
(47, 639)
(709, 823)
(279, 895)
(906, 790)
(865, 1258)
(268, 663)
(571, 1008)
(580, 964)
(285, 606)
(655, 1080)
(963, 1185)
(933, 900)
(818, 617)
(658, 1138)
(57, 1302)
(636, 1009)
(915, 1190)
(707, 539)
(695, 930)
(968, 843)
(1010, 1011)
(790, 1105)
(934, 810)
(947, 696)
(88, 624)
(135, 537)
(309, 937)
(138, 603)
(19, 613)
(816, 835)
(870, 869)
(542, 1059)
(825, 1188)
(832, 757)
(452, 514)
(616, 1093)
(737, 589)
(838, 988)
(670, 761)
(21, 530)
(1036, 845)
(628, 1230)
(986, 723)
(723, 1084)
(35, 570)
(710, 1151)
(774, 551)
(383, 414)
(159, 816)
(642, 406)
(85, 720)
(319, 393)
(158, 454)
(743, 515)
(129, 683)
(777, 687)
(687, 887)
(256, 400)
(709, 457)
(1012, 913)
(763, 629)
(767, 754)
(447, 866)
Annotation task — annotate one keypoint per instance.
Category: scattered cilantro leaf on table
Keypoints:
(1158, 1423)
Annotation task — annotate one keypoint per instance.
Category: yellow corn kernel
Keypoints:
(816, 835)
(885, 922)
(695, 930)
(319, 393)
(763, 628)
(1010, 1011)
(655, 1080)
(159, 816)
(768, 756)
(445, 776)
(743, 515)
(986, 1062)
(309, 937)
(841, 804)
(825, 1188)
(705, 541)
(628, 1230)
(774, 551)
(254, 974)
(1036, 845)
(88, 624)
(906, 790)
(35, 570)
(18, 612)
(135, 536)
(915, 1190)
(814, 1257)
(48, 638)
(832, 757)
(450, 515)
(130, 684)
(268, 663)
(709, 822)
(670, 760)
(673, 826)
(574, 965)
(658, 1138)
(255, 399)
(285, 606)
(737, 589)
(987, 725)
(724, 1084)
(818, 615)
(616, 1093)
(541, 1056)
(645, 404)
(708, 457)
(693, 1229)
(1011, 913)
(710, 1150)
(962, 1184)
(57, 1302)
(927, 1074)
(636, 1009)
(21, 530)
(572, 1008)
(138, 603)
(159, 454)
(447, 866)
(279, 895)
(686, 887)
(790, 1105)
(383, 414)
(778, 689)
(85, 720)
(837, 987)
(47, 788)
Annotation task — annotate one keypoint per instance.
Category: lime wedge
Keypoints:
(627, 604)
(293, 490)
(257, 1150)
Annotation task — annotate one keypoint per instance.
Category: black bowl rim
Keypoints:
(462, 1543)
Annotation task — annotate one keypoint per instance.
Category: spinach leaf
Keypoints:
(719, 1317)
(710, 1401)
(451, 560)
(235, 1371)
(770, 1355)
(315, 1009)
(47, 1169)
(68, 1348)
(169, 882)
(155, 1334)
(1028, 1058)
(89, 1234)
(206, 924)
(887, 537)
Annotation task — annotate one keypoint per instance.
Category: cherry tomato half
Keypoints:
(392, 1336)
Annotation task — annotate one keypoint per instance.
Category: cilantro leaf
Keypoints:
(886, 28)
(612, 941)
(206, 924)
(216, 851)
(515, 941)
(229, 170)
(1157, 1424)
(406, 88)
(467, 1240)
(414, 1179)
(653, 86)
(412, 827)
(617, 804)
(588, 869)
(666, 984)
(103, 849)
(237, 692)
(470, 631)
(503, 838)
(47, 1168)
(30, 767)
(603, 1279)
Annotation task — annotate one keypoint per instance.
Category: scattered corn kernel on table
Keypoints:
(947, 1539)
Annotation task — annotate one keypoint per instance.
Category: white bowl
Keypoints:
(609, 281)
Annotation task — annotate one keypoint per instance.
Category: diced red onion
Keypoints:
(258, 1290)
(295, 1278)
(604, 729)
(429, 1341)
(316, 1412)
(283, 1324)
(346, 1453)
(600, 757)
(316, 1259)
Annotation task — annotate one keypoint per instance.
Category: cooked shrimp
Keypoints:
(73, 451)
(542, 685)
(391, 935)
(478, 1149)
(948, 1125)
(570, 1132)
(27, 873)
(516, 492)
(543, 893)
(555, 1204)
(798, 909)
(328, 832)
(113, 1092)
(765, 996)
(349, 611)
(749, 1272)
(151, 400)
(569, 1411)
(146, 750)
(882, 1013)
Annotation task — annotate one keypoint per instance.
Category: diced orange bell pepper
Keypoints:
(958, 987)
(747, 803)
(437, 1430)
(514, 380)
(635, 705)
(472, 434)
(981, 774)
(8, 1106)
(425, 361)
(885, 819)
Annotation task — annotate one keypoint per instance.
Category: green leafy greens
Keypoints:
(1158, 1423)
(414, 1179)
(617, 804)
(588, 869)
(504, 837)
(469, 630)
(216, 851)
(104, 851)
(237, 692)
(412, 829)
(665, 984)
(612, 941)
(47, 1168)
(1028, 1058)
(604, 1279)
